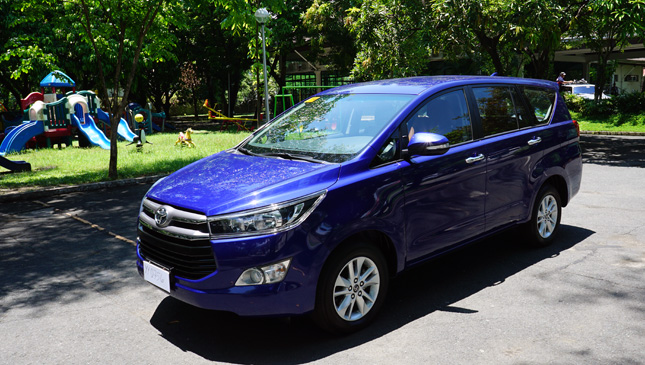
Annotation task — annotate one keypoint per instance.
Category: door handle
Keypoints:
(535, 141)
(475, 158)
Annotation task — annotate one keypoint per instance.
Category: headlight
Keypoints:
(271, 219)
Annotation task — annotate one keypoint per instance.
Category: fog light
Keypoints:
(269, 274)
(250, 277)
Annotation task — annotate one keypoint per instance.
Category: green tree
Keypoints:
(240, 20)
(331, 42)
(607, 26)
(473, 26)
(391, 37)
(539, 27)
(162, 82)
(287, 34)
(117, 31)
(220, 53)
(27, 47)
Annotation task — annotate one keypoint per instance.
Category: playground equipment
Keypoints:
(140, 138)
(15, 166)
(152, 121)
(81, 118)
(52, 123)
(225, 121)
(287, 102)
(53, 118)
(185, 139)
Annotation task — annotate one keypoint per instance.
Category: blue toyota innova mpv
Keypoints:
(317, 210)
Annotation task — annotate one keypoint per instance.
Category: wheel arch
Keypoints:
(378, 239)
(560, 184)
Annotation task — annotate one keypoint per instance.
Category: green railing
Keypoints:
(292, 95)
(58, 114)
(91, 97)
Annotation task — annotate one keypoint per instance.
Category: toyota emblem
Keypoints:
(161, 217)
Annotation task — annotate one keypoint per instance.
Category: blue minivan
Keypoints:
(318, 209)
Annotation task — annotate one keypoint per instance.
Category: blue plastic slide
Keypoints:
(16, 139)
(91, 131)
(123, 130)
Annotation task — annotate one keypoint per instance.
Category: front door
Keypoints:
(444, 195)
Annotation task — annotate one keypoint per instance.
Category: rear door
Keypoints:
(514, 147)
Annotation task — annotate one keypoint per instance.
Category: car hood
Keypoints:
(227, 182)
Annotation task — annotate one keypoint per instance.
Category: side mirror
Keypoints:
(428, 144)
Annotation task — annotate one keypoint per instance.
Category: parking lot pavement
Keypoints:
(70, 293)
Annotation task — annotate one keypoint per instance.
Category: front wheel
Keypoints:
(351, 289)
(545, 220)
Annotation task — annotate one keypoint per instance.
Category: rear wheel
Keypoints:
(545, 220)
(352, 289)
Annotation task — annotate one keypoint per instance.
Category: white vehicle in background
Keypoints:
(583, 90)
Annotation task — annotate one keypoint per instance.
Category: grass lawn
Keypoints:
(614, 123)
(74, 165)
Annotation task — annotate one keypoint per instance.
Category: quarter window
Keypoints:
(541, 102)
(446, 114)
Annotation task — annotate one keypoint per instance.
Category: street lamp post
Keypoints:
(262, 16)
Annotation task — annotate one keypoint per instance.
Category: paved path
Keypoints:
(70, 293)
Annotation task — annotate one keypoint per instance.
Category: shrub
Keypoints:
(574, 102)
(602, 108)
(629, 103)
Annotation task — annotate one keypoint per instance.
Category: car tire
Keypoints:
(351, 289)
(545, 220)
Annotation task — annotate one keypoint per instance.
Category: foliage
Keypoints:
(287, 34)
(331, 41)
(622, 104)
(575, 103)
(607, 26)
(629, 103)
(486, 27)
(538, 31)
(390, 38)
(29, 48)
(190, 81)
(116, 30)
(601, 108)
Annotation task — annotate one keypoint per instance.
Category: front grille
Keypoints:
(181, 244)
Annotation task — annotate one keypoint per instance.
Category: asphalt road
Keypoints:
(70, 292)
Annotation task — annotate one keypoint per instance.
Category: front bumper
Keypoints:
(294, 295)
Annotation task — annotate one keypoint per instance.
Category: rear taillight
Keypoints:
(575, 122)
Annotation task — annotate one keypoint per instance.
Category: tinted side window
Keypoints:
(524, 118)
(446, 114)
(496, 109)
(541, 102)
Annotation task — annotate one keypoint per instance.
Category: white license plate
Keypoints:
(156, 275)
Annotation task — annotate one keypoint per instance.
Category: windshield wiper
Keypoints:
(247, 152)
(291, 156)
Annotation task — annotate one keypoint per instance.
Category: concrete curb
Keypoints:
(602, 133)
(47, 192)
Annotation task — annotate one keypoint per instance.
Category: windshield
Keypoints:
(587, 89)
(329, 128)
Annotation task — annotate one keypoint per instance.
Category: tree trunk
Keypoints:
(490, 46)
